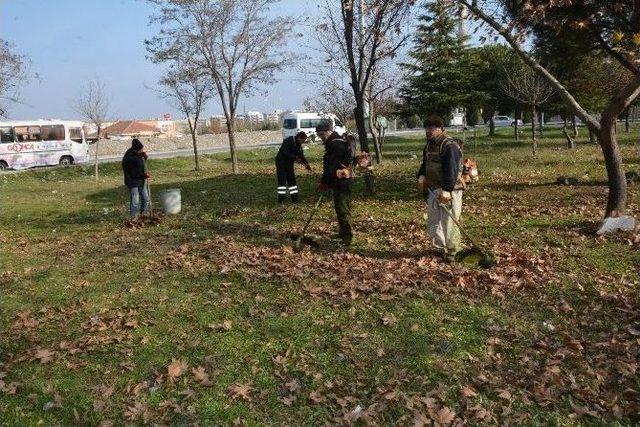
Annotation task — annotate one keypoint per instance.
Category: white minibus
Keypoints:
(292, 123)
(25, 144)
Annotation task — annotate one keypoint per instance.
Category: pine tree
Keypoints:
(439, 80)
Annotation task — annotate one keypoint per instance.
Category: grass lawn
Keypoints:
(210, 318)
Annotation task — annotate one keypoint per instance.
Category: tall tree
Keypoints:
(381, 99)
(487, 66)
(524, 85)
(361, 35)
(93, 105)
(439, 80)
(604, 28)
(12, 75)
(189, 90)
(234, 41)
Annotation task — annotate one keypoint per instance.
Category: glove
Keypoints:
(322, 187)
(422, 183)
(444, 197)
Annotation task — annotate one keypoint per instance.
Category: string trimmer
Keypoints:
(301, 238)
(486, 259)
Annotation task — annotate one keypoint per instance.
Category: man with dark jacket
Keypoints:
(135, 176)
(336, 175)
(439, 178)
(290, 153)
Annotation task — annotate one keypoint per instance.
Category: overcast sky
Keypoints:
(72, 41)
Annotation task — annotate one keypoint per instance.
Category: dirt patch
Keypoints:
(114, 147)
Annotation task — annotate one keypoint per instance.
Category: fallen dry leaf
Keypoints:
(44, 355)
(176, 368)
(445, 416)
(201, 376)
(469, 391)
(389, 319)
(240, 391)
(316, 397)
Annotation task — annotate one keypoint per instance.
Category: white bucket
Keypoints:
(171, 201)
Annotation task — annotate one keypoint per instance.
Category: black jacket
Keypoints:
(133, 168)
(336, 156)
(290, 150)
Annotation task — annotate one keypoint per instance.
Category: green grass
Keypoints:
(306, 333)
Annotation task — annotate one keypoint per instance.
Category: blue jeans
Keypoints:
(138, 201)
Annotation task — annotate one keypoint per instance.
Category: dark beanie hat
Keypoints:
(136, 144)
(324, 126)
(302, 135)
(434, 121)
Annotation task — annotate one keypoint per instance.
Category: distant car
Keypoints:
(501, 121)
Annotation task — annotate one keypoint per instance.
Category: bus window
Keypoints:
(6, 135)
(27, 133)
(310, 123)
(52, 133)
(75, 134)
(290, 123)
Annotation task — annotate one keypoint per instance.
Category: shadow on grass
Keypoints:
(519, 186)
(254, 191)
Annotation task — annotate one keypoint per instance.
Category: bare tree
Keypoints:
(93, 105)
(234, 41)
(364, 33)
(525, 86)
(189, 90)
(332, 96)
(12, 75)
(606, 28)
(381, 96)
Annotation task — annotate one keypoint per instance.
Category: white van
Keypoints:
(25, 144)
(292, 123)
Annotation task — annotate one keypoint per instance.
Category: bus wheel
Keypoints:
(66, 161)
(3, 166)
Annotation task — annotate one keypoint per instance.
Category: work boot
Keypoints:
(295, 198)
(450, 257)
(282, 199)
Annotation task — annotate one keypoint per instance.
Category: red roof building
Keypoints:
(129, 129)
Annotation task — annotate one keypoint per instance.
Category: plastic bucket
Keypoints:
(171, 201)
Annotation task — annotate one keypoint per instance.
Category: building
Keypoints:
(128, 129)
(166, 127)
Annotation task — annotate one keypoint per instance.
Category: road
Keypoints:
(186, 152)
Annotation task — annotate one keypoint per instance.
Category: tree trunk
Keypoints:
(592, 137)
(616, 203)
(541, 124)
(515, 127)
(626, 121)
(193, 131)
(534, 142)
(358, 113)
(375, 138)
(571, 143)
(232, 145)
(492, 127)
(575, 126)
(96, 154)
